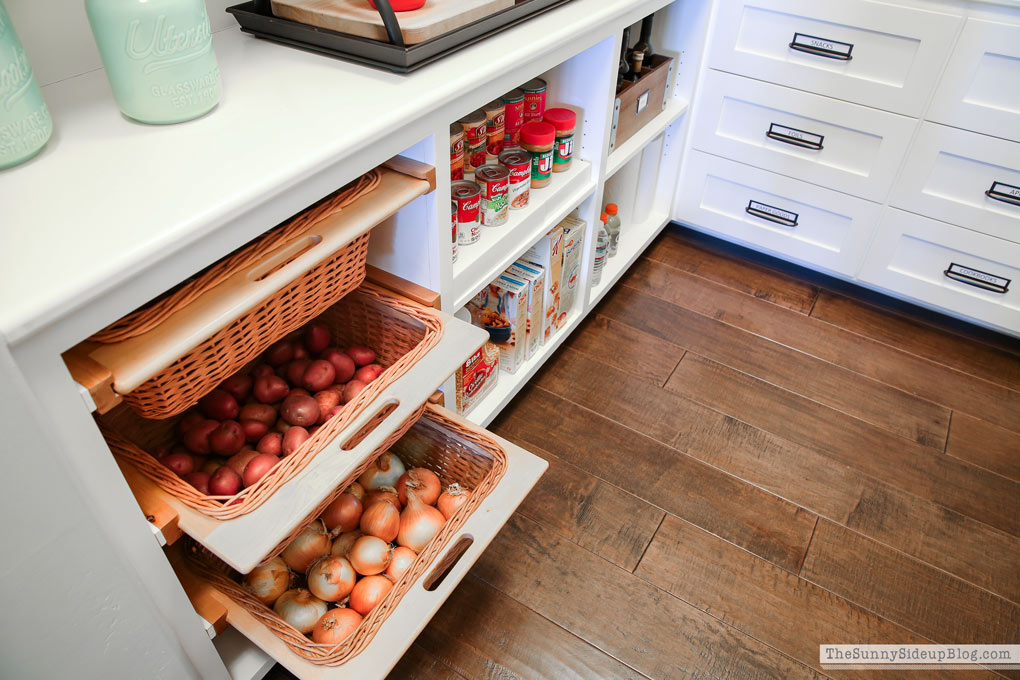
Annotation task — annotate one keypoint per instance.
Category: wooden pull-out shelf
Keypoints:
(419, 605)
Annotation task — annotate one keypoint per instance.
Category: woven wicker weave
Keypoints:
(472, 459)
(401, 333)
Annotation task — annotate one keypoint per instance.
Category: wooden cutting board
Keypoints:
(357, 17)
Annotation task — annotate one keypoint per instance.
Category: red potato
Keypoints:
(239, 461)
(335, 410)
(300, 391)
(295, 437)
(257, 468)
(181, 463)
(282, 426)
(319, 375)
(342, 364)
(272, 443)
(367, 374)
(316, 338)
(362, 356)
(224, 482)
(300, 352)
(353, 389)
(211, 465)
(263, 413)
(271, 389)
(313, 429)
(199, 480)
(219, 405)
(261, 371)
(280, 353)
(297, 409)
(227, 439)
(188, 421)
(197, 438)
(161, 452)
(238, 386)
(254, 430)
(294, 373)
(327, 401)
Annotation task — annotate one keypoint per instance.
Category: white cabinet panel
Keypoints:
(842, 146)
(871, 53)
(956, 269)
(980, 89)
(821, 228)
(965, 178)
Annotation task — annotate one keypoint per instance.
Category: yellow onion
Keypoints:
(422, 482)
(312, 543)
(369, 592)
(342, 543)
(402, 560)
(300, 608)
(450, 500)
(331, 578)
(382, 520)
(419, 524)
(370, 555)
(343, 514)
(383, 471)
(335, 626)
(268, 581)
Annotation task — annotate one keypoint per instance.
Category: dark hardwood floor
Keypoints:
(747, 460)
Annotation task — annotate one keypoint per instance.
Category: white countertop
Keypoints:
(108, 198)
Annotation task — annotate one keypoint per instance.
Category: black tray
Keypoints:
(256, 17)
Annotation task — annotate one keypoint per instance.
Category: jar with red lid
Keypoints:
(563, 120)
(538, 138)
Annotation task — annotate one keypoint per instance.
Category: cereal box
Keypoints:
(477, 377)
(570, 276)
(535, 276)
(548, 254)
(502, 309)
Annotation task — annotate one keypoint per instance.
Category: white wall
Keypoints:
(58, 39)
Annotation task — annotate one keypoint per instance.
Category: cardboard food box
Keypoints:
(570, 276)
(477, 377)
(502, 309)
(548, 254)
(535, 276)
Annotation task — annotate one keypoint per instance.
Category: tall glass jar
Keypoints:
(25, 124)
(158, 56)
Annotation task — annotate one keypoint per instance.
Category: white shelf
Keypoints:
(633, 146)
(498, 247)
(244, 661)
(509, 385)
(633, 242)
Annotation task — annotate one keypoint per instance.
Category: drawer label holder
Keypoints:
(789, 135)
(822, 47)
(1007, 193)
(763, 211)
(977, 278)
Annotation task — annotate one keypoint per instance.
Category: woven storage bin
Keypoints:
(472, 459)
(401, 333)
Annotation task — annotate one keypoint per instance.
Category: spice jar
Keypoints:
(537, 138)
(564, 121)
(456, 152)
(495, 126)
(534, 99)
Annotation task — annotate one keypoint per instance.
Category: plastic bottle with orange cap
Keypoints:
(601, 248)
(613, 227)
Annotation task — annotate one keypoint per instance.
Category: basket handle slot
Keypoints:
(375, 421)
(282, 256)
(449, 561)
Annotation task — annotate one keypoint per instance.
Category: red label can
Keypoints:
(475, 158)
(534, 99)
(495, 126)
(468, 197)
(495, 183)
(518, 163)
(456, 152)
(475, 139)
(513, 118)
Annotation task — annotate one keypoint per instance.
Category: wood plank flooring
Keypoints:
(746, 461)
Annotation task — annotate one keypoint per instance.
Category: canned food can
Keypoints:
(534, 99)
(453, 210)
(468, 198)
(513, 118)
(495, 127)
(495, 183)
(475, 139)
(456, 152)
(518, 163)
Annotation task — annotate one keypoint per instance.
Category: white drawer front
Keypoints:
(896, 53)
(758, 208)
(842, 146)
(980, 89)
(911, 255)
(950, 175)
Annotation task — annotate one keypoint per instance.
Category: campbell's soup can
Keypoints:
(468, 198)
(475, 140)
(453, 210)
(513, 118)
(495, 128)
(495, 183)
(534, 99)
(456, 152)
(518, 164)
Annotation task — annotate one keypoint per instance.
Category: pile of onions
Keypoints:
(300, 608)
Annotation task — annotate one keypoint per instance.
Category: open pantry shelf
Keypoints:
(633, 242)
(498, 247)
(243, 660)
(633, 146)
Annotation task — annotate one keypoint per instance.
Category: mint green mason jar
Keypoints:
(158, 56)
(25, 124)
